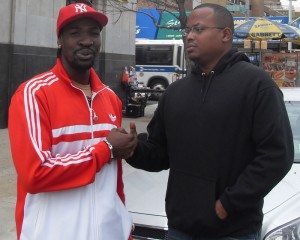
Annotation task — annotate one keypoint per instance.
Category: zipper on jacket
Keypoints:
(95, 219)
(93, 117)
(204, 80)
(205, 88)
(91, 123)
(91, 110)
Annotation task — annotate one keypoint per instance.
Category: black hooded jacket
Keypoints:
(223, 136)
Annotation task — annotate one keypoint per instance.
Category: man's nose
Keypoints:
(190, 36)
(86, 41)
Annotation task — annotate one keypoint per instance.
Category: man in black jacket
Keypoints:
(223, 132)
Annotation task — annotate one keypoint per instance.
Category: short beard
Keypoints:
(82, 67)
(195, 66)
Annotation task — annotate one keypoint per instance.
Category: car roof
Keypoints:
(291, 94)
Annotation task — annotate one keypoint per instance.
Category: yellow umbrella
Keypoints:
(264, 29)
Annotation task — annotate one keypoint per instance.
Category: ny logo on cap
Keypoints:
(81, 8)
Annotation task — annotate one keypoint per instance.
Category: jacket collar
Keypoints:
(59, 70)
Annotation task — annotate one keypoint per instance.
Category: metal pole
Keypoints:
(290, 20)
(247, 5)
(290, 23)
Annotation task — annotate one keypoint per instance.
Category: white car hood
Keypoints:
(288, 188)
(145, 194)
(282, 203)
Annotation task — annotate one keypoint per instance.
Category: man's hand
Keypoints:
(123, 143)
(220, 210)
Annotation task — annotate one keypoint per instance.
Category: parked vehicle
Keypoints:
(145, 193)
(159, 63)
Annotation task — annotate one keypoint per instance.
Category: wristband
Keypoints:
(110, 148)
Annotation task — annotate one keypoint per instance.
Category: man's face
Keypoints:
(80, 42)
(203, 46)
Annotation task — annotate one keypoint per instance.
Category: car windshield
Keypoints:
(293, 109)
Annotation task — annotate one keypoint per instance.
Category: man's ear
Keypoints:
(227, 34)
(59, 41)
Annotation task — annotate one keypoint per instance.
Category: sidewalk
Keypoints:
(7, 189)
(8, 174)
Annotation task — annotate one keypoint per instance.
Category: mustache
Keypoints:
(92, 50)
(191, 44)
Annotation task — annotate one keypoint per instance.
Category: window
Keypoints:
(178, 62)
(154, 55)
(293, 110)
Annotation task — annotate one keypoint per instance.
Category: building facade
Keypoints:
(28, 43)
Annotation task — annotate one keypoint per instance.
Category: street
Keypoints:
(8, 174)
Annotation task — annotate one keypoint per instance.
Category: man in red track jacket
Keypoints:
(62, 142)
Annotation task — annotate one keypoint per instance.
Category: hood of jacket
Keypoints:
(230, 58)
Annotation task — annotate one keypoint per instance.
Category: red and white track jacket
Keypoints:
(67, 188)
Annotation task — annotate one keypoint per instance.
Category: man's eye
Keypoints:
(96, 33)
(74, 33)
(198, 29)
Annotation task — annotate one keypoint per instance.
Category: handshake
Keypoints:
(123, 143)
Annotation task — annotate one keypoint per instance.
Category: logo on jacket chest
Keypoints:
(112, 117)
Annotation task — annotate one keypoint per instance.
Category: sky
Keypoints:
(296, 4)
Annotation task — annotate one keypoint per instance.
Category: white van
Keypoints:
(159, 62)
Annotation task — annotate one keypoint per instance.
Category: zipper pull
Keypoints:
(94, 115)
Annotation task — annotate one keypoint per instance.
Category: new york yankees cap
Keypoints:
(76, 11)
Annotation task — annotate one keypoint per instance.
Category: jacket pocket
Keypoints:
(190, 203)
